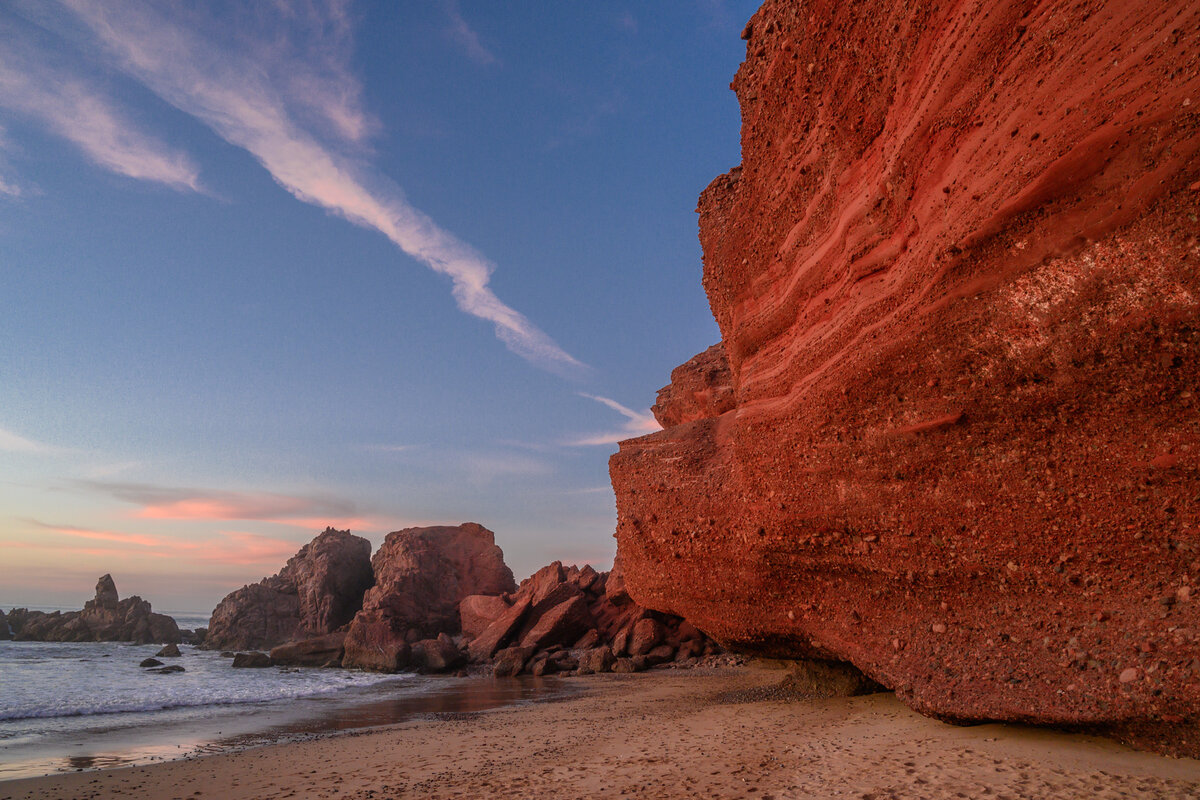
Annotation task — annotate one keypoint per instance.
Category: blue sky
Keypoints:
(271, 266)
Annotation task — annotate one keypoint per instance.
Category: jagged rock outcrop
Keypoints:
(421, 575)
(319, 590)
(569, 620)
(957, 286)
(106, 618)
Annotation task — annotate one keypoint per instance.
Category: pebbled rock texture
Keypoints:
(956, 277)
(319, 590)
(421, 576)
(106, 618)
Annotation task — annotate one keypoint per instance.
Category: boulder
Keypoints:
(168, 669)
(645, 636)
(588, 640)
(614, 584)
(5, 631)
(376, 643)
(598, 659)
(476, 612)
(499, 632)
(562, 624)
(511, 660)
(660, 655)
(541, 583)
(253, 660)
(421, 577)
(318, 651)
(587, 578)
(437, 655)
(150, 662)
(170, 651)
(319, 590)
(951, 419)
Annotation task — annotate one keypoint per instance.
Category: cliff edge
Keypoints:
(951, 433)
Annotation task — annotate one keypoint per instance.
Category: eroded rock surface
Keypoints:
(956, 277)
(319, 590)
(421, 576)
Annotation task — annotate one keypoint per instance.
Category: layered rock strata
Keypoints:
(319, 590)
(421, 576)
(106, 618)
(952, 432)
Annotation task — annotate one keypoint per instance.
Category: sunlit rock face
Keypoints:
(421, 576)
(955, 436)
(319, 590)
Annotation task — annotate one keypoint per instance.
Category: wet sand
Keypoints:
(664, 734)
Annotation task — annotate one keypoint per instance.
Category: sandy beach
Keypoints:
(704, 733)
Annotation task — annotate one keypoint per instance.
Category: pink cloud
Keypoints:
(230, 548)
(106, 536)
(170, 503)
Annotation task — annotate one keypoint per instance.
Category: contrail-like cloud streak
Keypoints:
(237, 92)
(638, 423)
(81, 114)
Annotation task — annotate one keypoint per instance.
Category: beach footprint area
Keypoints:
(720, 733)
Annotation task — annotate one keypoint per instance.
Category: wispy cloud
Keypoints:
(175, 503)
(100, 535)
(80, 112)
(232, 548)
(465, 37)
(13, 443)
(638, 423)
(233, 91)
(389, 448)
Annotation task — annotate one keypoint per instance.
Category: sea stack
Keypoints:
(105, 618)
(319, 590)
(949, 435)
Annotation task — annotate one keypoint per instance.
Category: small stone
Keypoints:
(1183, 594)
(938, 627)
(1128, 675)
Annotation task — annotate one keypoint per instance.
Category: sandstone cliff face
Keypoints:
(319, 590)
(106, 618)
(956, 281)
(421, 575)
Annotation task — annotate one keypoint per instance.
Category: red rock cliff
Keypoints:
(952, 434)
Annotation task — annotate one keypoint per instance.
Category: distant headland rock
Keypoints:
(319, 590)
(106, 618)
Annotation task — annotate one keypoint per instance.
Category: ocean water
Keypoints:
(72, 706)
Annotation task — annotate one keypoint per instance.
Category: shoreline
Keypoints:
(705, 732)
(232, 727)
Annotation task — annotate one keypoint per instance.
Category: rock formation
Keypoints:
(421, 575)
(319, 590)
(106, 618)
(566, 620)
(952, 432)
